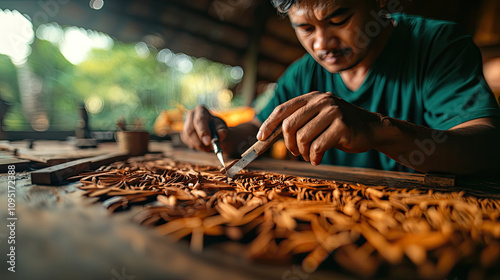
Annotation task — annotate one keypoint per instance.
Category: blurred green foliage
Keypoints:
(9, 93)
(111, 83)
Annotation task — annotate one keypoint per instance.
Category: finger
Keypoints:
(294, 122)
(279, 114)
(221, 128)
(316, 160)
(327, 140)
(314, 128)
(304, 150)
(188, 135)
(201, 117)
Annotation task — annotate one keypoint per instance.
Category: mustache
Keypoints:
(322, 54)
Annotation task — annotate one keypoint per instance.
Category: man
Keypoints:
(374, 90)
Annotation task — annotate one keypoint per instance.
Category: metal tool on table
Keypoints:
(216, 143)
(84, 138)
(253, 152)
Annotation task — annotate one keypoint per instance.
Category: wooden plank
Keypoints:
(49, 152)
(486, 186)
(53, 157)
(7, 146)
(479, 186)
(439, 180)
(354, 175)
(58, 173)
(365, 176)
(20, 164)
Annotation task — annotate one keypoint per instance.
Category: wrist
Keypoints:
(384, 132)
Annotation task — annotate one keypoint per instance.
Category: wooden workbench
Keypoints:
(62, 235)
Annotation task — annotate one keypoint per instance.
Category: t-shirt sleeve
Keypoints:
(290, 85)
(454, 89)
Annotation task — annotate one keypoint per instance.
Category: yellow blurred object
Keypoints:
(172, 120)
(279, 150)
(235, 116)
(169, 121)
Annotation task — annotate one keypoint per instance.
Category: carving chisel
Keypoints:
(253, 152)
(216, 143)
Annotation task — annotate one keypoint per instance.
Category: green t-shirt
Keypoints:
(429, 73)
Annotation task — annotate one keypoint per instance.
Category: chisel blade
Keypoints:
(240, 164)
(221, 158)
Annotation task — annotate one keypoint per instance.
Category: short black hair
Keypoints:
(284, 6)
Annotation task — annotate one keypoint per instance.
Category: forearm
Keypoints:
(240, 138)
(467, 150)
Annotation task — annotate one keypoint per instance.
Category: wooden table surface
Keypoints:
(62, 235)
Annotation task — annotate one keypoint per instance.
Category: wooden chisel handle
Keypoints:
(261, 146)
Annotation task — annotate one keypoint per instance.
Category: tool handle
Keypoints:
(213, 130)
(261, 146)
(215, 137)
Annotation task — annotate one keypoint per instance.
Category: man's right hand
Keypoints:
(196, 131)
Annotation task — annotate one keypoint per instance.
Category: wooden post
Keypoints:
(249, 82)
(251, 58)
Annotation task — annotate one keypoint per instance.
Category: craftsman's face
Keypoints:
(333, 31)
